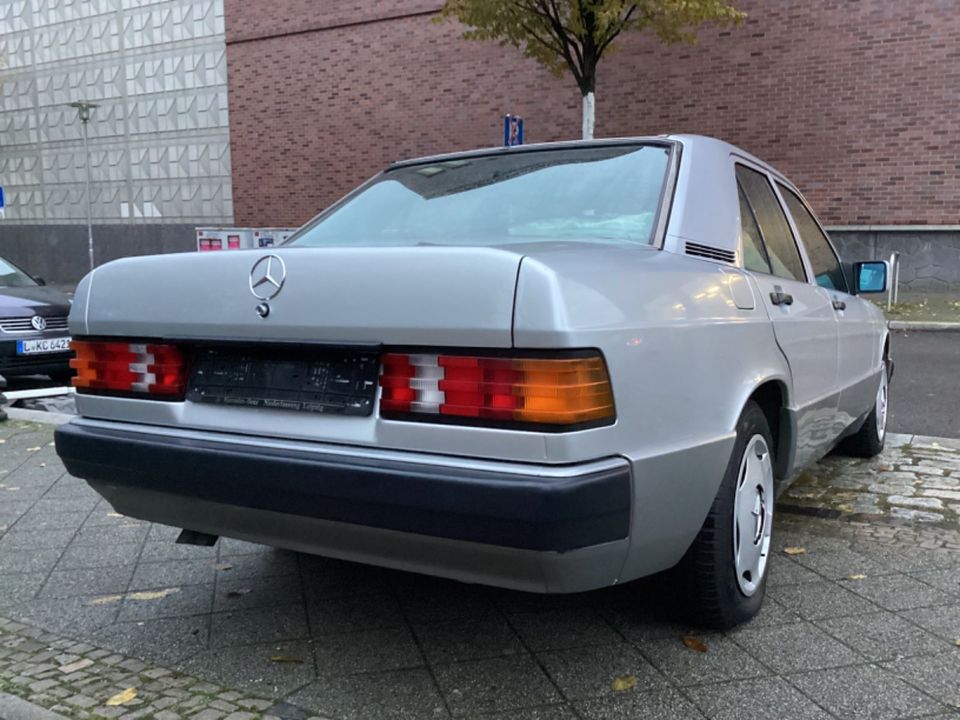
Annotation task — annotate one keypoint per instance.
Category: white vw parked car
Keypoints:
(553, 368)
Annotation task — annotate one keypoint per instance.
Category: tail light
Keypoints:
(558, 392)
(135, 369)
(208, 244)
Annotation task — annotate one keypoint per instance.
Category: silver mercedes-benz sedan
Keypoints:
(552, 368)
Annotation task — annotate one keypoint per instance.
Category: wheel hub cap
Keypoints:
(753, 515)
(881, 409)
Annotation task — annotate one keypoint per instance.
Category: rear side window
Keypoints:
(754, 254)
(777, 238)
(826, 266)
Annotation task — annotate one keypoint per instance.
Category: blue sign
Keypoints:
(2, 209)
(512, 130)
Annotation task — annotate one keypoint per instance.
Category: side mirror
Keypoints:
(871, 276)
(40, 281)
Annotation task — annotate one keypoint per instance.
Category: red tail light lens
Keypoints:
(137, 369)
(565, 391)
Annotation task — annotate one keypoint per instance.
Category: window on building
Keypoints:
(778, 240)
(826, 266)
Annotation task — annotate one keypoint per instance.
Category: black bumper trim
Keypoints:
(497, 508)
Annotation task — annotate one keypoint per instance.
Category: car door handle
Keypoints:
(779, 297)
(839, 305)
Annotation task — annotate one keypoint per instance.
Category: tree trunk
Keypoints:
(588, 115)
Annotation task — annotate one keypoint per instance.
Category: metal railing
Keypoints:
(893, 286)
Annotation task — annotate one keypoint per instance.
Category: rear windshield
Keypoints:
(594, 194)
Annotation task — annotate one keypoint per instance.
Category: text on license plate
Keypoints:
(43, 345)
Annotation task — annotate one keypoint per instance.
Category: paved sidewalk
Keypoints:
(861, 620)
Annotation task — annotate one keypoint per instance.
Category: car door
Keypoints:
(804, 321)
(859, 346)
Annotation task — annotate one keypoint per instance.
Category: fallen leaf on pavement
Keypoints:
(154, 594)
(239, 592)
(74, 666)
(114, 514)
(286, 659)
(624, 683)
(223, 566)
(33, 449)
(694, 643)
(122, 698)
(794, 551)
(957, 642)
(106, 600)
(858, 576)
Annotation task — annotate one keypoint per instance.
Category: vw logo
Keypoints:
(267, 277)
(39, 323)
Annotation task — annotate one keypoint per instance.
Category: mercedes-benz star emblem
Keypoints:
(39, 323)
(267, 277)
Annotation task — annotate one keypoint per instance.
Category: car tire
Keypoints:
(870, 439)
(725, 569)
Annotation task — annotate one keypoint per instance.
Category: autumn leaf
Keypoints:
(153, 595)
(794, 551)
(122, 698)
(286, 659)
(694, 643)
(624, 683)
(106, 600)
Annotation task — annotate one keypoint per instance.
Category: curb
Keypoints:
(16, 708)
(925, 326)
(38, 416)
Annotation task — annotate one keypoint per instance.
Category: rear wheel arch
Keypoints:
(771, 396)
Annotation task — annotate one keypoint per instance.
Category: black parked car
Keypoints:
(34, 339)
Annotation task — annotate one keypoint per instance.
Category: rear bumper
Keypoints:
(530, 526)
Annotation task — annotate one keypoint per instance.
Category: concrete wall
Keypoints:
(929, 259)
(58, 253)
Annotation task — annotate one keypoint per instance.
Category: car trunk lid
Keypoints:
(445, 296)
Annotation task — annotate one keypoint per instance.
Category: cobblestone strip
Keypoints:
(77, 680)
(916, 480)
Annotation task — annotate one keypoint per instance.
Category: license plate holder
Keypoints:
(325, 381)
(42, 346)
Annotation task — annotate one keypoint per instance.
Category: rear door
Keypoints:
(804, 320)
(859, 347)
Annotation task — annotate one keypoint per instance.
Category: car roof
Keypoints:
(690, 141)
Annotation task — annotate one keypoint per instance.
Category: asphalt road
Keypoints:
(925, 392)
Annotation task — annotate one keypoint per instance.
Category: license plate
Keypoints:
(43, 345)
(337, 382)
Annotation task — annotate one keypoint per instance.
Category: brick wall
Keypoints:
(858, 101)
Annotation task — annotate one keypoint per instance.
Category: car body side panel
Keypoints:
(683, 358)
